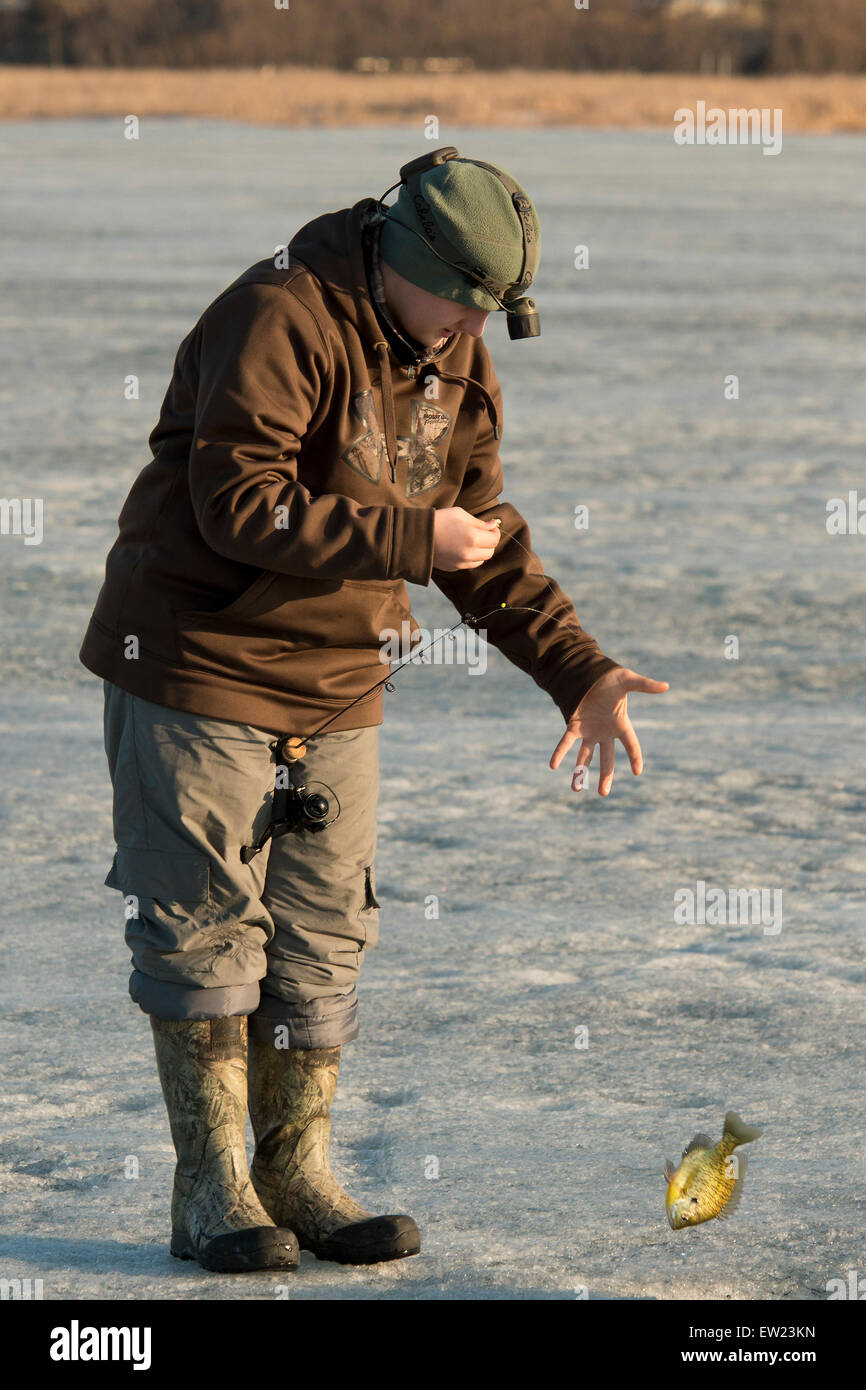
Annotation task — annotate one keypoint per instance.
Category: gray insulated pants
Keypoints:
(280, 938)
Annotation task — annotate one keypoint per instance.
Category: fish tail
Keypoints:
(736, 1132)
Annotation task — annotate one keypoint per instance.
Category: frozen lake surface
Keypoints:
(707, 519)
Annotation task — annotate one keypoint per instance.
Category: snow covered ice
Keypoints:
(556, 911)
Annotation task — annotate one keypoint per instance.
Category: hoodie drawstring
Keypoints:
(391, 444)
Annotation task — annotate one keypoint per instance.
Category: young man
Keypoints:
(330, 431)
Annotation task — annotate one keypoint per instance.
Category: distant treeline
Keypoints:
(740, 36)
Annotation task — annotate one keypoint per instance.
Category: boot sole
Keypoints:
(264, 1251)
(396, 1245)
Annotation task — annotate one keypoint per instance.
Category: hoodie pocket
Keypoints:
(300, 614)
(246, 600)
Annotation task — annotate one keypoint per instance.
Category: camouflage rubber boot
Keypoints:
(216, 1217)
(291, 1091)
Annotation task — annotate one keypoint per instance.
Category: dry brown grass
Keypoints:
(313, 96)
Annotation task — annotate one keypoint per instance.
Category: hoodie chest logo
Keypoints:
(424, 466)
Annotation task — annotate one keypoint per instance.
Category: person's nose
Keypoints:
(473, 322)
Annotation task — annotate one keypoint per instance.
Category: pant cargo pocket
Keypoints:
(161, 875)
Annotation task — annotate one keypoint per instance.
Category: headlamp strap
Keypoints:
(410, 175)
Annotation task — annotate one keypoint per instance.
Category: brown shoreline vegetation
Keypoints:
(515, 97)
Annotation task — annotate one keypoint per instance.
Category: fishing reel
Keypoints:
(298, 807)
(306, 809)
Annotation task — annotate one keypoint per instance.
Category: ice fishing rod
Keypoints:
(293, 745)
(303, 808)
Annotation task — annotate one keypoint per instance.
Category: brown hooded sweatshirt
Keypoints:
(296, 465)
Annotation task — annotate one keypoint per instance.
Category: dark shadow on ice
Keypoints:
(89, 1256)
(422, 1281)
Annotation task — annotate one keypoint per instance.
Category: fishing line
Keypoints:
(468, 620)
(303, 808)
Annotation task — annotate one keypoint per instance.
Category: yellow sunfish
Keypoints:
(708, 1182)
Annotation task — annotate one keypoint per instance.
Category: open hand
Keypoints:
(602, 718)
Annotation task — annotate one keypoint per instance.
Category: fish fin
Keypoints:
(737, 1190)
(742, 1133)
(700, 1141)
(670, 1170)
